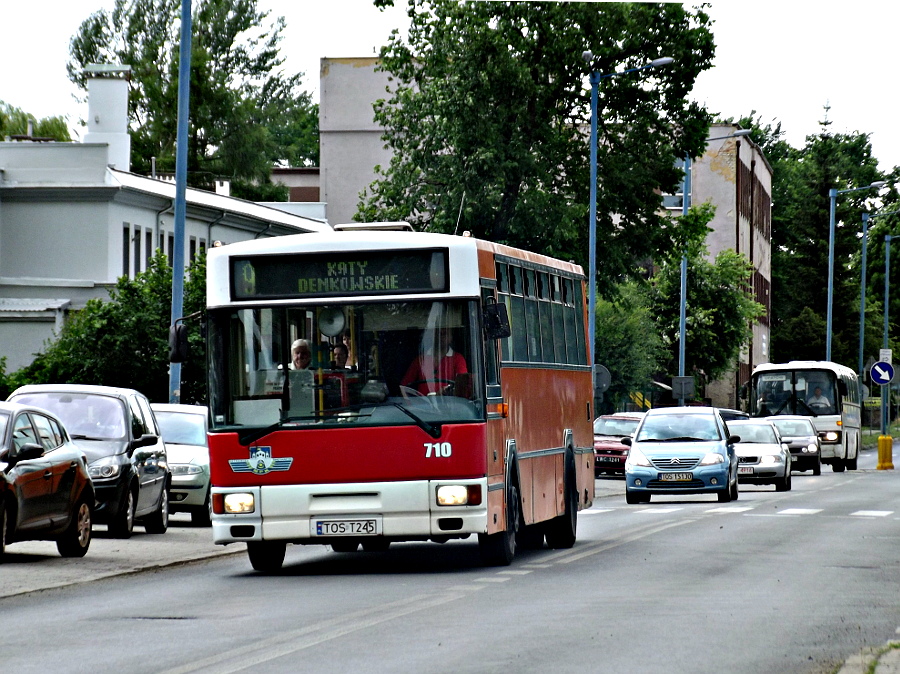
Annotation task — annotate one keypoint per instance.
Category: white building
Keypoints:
(73, 220)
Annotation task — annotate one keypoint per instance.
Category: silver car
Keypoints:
(183, 429)
(802, 439)
(762, 457)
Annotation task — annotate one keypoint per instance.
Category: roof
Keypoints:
(21, 304)
(113, 391)
(200, 410)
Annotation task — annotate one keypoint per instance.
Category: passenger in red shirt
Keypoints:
(428, 374)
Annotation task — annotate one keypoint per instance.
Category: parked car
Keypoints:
(116, 429)
(681, 450)
(45, 489)
(184, 432)
(732, 415)
(609, 452)
(762, 457)
(802, 439)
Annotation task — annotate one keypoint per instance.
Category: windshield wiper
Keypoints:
(252, 436)
(86, 437)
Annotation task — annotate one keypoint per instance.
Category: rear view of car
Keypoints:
(802, 439)
(45, 490)
(609, 452)
(183, 429)
(762, 457)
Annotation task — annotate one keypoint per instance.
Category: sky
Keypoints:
(786, 60)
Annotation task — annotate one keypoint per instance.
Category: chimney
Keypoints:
(108, 111)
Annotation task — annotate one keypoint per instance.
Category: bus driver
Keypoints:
(435, 373)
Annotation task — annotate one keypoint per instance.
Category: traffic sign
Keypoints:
(882, 373)
(884, 355)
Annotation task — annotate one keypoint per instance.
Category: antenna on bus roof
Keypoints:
(374, 226)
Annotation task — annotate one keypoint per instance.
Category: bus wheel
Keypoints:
(837, 465)
(851, 463)
(266, 556)
(561, 529)
(499, 549)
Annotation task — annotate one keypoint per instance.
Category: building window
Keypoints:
(192, 249)
(148, 248)
(137, 251)
(675, 201)
(126, 249)
(171, 250)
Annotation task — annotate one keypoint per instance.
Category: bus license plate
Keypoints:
(368, 527)
(676, 477)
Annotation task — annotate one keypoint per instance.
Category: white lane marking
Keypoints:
(515, 572)
(493, 579)
(799, 511)
(737, 509)
(658, 510)
(872, 513)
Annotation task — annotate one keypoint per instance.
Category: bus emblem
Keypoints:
(260, 462)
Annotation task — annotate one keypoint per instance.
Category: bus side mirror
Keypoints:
(496, 321)
(178, 344)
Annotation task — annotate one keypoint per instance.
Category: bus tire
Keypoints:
(837, 465)
(851, 463)
(266, 556)
(500, 549)
(561, 530)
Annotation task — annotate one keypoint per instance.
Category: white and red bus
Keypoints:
(491, 437)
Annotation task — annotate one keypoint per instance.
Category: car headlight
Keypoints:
(771, 459)
(812, 449)
(712, 458)
(104, 469)
(185, 469)
(637, 458)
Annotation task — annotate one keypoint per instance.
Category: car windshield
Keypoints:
(678, 428)
(181, 428)
(794, 428)
(385, 363)
(614, 426)
(85, 415)
(757, 433)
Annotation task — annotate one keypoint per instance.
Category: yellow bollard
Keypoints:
(885, 452)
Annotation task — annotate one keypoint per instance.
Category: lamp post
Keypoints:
(685, 208)
(862, 283)
(832, 196)
(595, 78)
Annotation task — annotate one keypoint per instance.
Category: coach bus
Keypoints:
(826, 392)
(464, 408)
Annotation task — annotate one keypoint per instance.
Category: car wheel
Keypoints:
(345, 546)
(817, 468)
(76, 540)
(561, 531)
(734, 493)
(2, 529)
(500, 549)
(784, 484)
(202, 517)
(266, 556)
(837, 465)
(724, 495)
(122, 524)
(158, 521)
(632, 498)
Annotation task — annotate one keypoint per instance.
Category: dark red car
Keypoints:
(609, 452)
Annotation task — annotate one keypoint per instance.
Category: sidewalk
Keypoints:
(884, 660)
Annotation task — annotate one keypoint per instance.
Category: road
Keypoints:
(778, 582)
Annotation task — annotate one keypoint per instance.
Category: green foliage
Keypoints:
(14, 122)
(246, 114)
(720, 305)
(627, 343)
(489, 118)
(124, 341)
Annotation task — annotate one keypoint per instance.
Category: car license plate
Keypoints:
(366, 527)
(676, 477)
(745, 470)
(608, 458)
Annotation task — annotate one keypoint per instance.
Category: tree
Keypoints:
(802, 179)
(124, 341)
(14, 122)
(720, 304)
(246, 114)
(489, 115)
(627, 343)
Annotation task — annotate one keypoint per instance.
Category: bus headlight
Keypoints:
(459, 495)
(236, 503)
(830, 436)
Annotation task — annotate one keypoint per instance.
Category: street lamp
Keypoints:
(685, 207)
(832, 195)
(862, 282)
(595, 78)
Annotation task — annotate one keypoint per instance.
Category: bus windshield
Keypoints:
(805, 392)
(376, 364)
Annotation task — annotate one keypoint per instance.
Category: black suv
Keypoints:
(116, 429)
(45, 490)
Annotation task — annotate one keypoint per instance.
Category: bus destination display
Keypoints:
(345, 273)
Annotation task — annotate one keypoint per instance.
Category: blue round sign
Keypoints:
(882, 373)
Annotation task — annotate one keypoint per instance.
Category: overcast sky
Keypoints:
(786, 60)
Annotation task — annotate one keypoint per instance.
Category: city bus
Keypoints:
(828, 393)
(464, 408)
